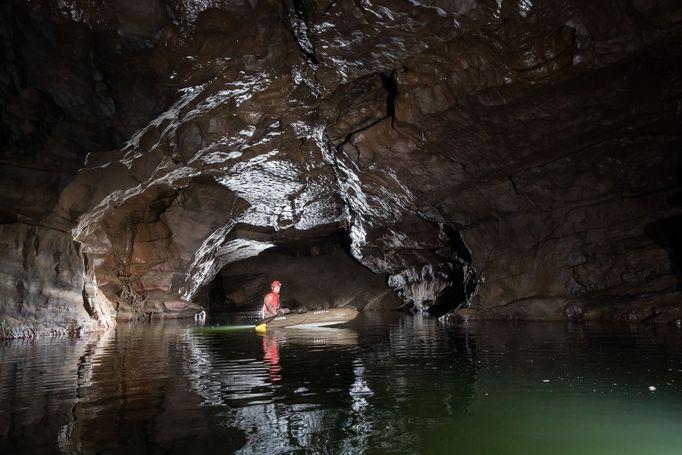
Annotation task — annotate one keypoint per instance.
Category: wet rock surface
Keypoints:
(47, 287)
(520, 160)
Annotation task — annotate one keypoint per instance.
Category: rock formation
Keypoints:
(510, 158)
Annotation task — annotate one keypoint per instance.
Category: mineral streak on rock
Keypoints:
(513, 159)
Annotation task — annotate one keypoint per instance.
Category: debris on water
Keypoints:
(652, 388)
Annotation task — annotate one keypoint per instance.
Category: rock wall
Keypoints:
(519, 160)
(47, 286)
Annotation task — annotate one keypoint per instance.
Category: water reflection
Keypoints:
(40, 383)
(115, 392)
(271, 356)
(384, 384)
(345, 390)
(296, 389)
(321, 337)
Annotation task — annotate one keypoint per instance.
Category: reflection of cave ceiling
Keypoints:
(521, 158)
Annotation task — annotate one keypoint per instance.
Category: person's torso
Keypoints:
(272, 299)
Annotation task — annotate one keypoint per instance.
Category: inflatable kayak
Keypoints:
(317, 318)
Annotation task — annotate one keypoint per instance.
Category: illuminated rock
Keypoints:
(520, 159)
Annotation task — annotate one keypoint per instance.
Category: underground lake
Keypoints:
(384, 383)
(483, 198)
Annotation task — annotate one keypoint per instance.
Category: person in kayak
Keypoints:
(271, 301)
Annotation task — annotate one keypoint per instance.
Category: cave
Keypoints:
(438, 165)
(503, 162)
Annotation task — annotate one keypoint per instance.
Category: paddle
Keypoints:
(223, 328)
(260, 327)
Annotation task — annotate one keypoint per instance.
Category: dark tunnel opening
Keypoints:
(462, 276)
(316, 272)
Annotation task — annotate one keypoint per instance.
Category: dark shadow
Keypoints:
(463, 277)
(389, 83)
(300, 33)
(667, 233)
(216, 296)
(7, 217)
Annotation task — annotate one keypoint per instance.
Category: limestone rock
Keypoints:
(48, 287)
(511, 159)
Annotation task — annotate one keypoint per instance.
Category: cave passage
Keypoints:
(316, 273)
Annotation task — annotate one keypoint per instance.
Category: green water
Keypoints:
(382, 384)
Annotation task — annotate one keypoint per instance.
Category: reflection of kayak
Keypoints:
(317, 318)
(316, 336)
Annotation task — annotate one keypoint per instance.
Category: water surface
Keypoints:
(382, 384)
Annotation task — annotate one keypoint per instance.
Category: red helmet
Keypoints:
(275, 283)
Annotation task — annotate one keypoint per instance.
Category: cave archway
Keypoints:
(316, 272)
